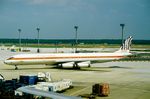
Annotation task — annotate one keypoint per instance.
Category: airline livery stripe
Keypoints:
(78, 57)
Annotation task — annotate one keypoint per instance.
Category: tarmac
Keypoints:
(127, 80)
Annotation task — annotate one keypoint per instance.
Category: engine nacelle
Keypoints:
(69, 64)
(84, 64)
(73, 64)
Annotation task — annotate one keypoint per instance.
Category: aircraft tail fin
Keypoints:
(126, 46)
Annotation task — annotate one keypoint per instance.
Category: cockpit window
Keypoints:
(10, 58)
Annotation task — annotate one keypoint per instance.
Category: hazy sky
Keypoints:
(97, 19)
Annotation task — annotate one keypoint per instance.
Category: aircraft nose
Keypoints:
(6, 62)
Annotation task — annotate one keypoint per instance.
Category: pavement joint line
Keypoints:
(79, 91)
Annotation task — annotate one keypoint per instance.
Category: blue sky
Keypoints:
(97, 19)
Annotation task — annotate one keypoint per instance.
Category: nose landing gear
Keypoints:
(16, 68)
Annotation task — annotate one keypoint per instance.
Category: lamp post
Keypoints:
(19, 30)
(38, 30)
(122, 27)
(56, 45)
(76, 38)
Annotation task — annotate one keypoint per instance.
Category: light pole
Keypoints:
(122, 26)
(56, 45)
(76, 38)
(19, 30)
(38, 30)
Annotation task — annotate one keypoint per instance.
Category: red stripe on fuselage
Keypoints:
(65, 57)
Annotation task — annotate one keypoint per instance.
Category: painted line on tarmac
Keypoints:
(79, 91)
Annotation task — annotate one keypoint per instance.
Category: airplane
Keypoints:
(75, 60)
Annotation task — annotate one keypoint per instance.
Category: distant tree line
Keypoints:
(71, 41)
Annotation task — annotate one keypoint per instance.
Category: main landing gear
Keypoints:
(16, 68)
(89, 65)
(76, 66)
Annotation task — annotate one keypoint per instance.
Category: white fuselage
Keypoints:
(27, 59)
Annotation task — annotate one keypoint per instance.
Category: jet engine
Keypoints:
(76, 64)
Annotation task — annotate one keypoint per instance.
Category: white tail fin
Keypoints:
(126, 45)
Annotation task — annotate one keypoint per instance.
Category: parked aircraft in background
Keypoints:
(74, 60)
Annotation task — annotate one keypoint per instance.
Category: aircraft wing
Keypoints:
(38, 92)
